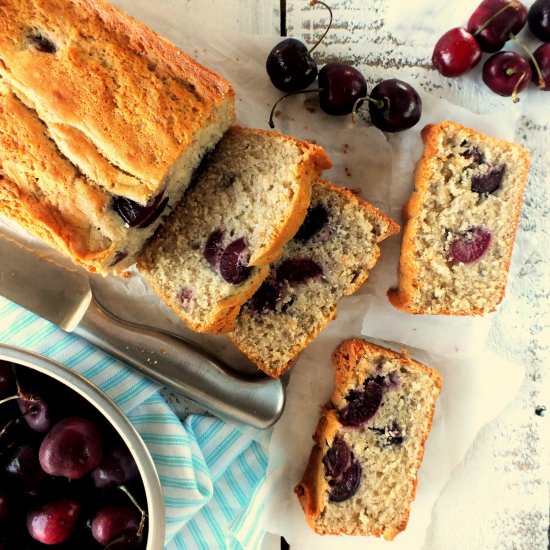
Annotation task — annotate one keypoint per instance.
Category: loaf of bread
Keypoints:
(461, 223)
(362, 472)
(118, 120)
(329, 258)
(249, 198)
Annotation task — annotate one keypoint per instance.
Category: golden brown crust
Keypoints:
(409, 286)
(345, 360)
(93, 85)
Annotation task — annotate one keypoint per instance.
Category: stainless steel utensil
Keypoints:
(63, 296)
(90, 392)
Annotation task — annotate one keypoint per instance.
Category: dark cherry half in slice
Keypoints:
(234, 266)
(538, 20)
(213, 248)
(53, 522)
(341, 85)
(507, 74)
(489, 182)
(298, 270)
(362, 404)
(337, 459)
(348, 485)
(40, 43)
(471, 245)
(394, 106)
(497, 26)
(315, 220)
(456, 52)
(137, 215)
(266, 297)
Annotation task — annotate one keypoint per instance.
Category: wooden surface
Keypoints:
(506, 472)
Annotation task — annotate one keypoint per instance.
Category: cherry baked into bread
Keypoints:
(112, 122)
(461, 223)
(330, 257)
(361, 476)
(249, 198)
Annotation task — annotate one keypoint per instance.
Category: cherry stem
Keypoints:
(378, 103)
(141, 510)
(11, 398)
(542, 82)
(515, 5)
(515, 97)
(314, 3)
(5, 428)
(272, 114)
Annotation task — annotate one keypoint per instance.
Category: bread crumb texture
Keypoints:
(466, 203)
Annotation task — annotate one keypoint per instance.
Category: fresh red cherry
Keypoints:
(53, 522)
(507, 74)
(542, 57)
(290, 65)
(494, 21)
(456, 52)
(394, 106)
(538, 20)
(341, 85)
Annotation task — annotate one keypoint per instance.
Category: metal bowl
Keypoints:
(90, 392)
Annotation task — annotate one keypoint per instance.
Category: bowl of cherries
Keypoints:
(74, 472)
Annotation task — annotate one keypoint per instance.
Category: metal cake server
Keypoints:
(64, 297)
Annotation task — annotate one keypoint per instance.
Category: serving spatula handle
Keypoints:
(184, 368)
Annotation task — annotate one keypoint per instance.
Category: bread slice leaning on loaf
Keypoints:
(329, 257)
(361, 475)
(107, 123)
(461, 223)
(249, 198)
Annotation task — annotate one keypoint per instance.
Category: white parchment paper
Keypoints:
(381, 170)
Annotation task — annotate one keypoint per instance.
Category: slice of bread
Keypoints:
(362, 472)
(329, 258)
(461, 223)
(249, 197)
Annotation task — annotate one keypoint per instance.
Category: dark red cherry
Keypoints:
(72, 448)
(362, 404)
(507, 74)
(456, 52)
(137, 215)
(266, 297)
(5, 504)
(488, 182)
(37, 413)
(542, 56)
(470, 245)
(234, 266)
(117, 467)
(7, 380)
(391, 435)
(315, 220)
(538, 20)
(39, 42)
(498, 28)
(115, 520)
(213, 248)
(20, 463)
(394, 106)
(290, 66)
(347, 486)
(337, 459)
(54, 521)
(298, 271)
(341, 85)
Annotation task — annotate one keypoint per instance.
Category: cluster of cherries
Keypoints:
(65, 480)
(492, 24)
(394, 105)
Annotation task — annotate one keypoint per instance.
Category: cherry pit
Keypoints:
(393, 104)
(489, 28)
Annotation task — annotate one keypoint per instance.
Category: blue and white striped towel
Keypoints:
(212, 472)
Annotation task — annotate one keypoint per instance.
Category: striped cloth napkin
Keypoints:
(212, 472)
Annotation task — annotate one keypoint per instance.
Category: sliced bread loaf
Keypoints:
(330, 257)
(362, 472)
(249, 198)
(461, 223)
